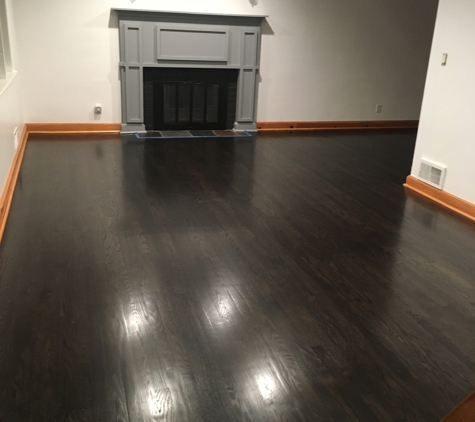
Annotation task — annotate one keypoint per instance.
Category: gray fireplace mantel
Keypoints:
(150, 38)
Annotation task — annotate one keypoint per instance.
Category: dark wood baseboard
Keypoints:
(9, 190)
(464, 412)
(376, 124)
(68, 128)
(456, 204)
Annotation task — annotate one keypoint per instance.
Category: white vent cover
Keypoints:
(432, 173)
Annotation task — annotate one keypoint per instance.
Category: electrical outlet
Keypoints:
(15, 138)
(379, 108)
(98, 108)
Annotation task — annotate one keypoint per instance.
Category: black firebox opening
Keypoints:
(189, 99)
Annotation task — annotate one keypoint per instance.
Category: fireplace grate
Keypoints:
(189, 99)
(188, 103)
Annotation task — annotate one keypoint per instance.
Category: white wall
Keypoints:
(11, 115)
(322, 59)
(447, 127)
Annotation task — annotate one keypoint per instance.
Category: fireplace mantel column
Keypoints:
(188, 40)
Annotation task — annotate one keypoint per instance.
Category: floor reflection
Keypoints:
(185, 176)
(135, 324)
(267, 387)
(160, 404)
(233, 300)
(286, 278)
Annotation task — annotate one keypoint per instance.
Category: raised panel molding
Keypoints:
(247, 85)
(133, 44)
(249, 48)
(134, 94)
(192, 44)
(188, 40)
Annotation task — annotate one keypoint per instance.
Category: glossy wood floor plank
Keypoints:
(278, 278)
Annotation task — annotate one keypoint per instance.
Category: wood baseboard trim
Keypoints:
(337, 125)
(73, 128)
(9, 190)
(464, 412)
(454, 203)
(47, 128)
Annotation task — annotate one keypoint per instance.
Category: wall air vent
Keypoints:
(432, 173)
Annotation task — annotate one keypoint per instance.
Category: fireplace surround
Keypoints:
(175, 41)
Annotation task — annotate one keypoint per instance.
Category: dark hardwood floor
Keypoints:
(282, 278)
